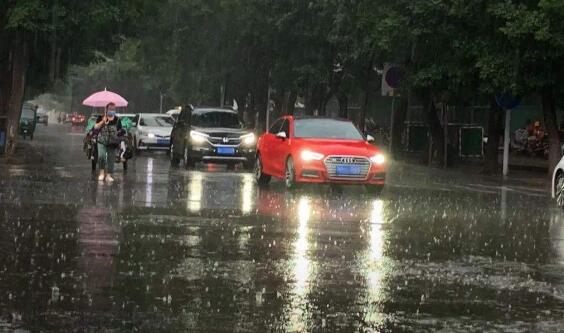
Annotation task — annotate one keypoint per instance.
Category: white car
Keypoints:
(558, 183)
(153, 131)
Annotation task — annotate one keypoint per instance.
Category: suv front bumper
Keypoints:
(209, 154)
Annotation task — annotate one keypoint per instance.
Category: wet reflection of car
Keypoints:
(212, 135)
(319, 150)
(152, 131)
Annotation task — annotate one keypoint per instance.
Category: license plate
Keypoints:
(348, 170)
(225, 151)
(163, 141)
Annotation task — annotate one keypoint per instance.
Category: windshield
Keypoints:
(157, 121)
(326, 129)
(217, 119)
(27, 114)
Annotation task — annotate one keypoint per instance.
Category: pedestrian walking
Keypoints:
(108, 141)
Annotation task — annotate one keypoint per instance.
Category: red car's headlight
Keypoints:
(378, 159)
(307, 155)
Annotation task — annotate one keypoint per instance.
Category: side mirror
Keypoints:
(281, 135)
(369, 138)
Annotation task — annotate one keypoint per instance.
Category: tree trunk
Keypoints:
(399, 114)
(290, 102)
(17, 87)
(549, 114)
(363, 110)
(52, 61)
(343, 105)
(435, 128)
(495, 121)
(314, 99)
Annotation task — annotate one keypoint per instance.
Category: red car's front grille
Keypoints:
(360, 163)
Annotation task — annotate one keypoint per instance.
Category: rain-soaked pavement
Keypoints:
(167, 250)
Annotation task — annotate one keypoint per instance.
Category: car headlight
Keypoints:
(378, 159)
(150, 135)
(248, 139)
(311, 156)
(198, 137)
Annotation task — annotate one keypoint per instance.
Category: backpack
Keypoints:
(108, 136)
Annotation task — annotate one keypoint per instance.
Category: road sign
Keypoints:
(391, 79)
(507, 102)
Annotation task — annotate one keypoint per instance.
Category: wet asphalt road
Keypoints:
(168, 250)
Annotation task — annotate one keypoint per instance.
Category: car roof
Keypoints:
(206, 110)
(320, 118)
(154, 115)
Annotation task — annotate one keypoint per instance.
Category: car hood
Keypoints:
(337, 147)
(157, 130)
(222, 132)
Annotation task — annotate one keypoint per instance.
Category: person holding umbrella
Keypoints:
(109, 128)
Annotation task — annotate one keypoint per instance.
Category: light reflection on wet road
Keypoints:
(207, 250)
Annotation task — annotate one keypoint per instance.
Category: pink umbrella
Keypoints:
(103, 98)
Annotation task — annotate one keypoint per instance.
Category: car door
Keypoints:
(268, 144)
(281, 149)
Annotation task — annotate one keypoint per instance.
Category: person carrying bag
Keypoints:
(109, 127)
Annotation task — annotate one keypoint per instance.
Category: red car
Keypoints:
(319, 150)
(78, 119)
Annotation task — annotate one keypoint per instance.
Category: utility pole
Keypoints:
(161, 103)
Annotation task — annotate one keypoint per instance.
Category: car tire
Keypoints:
(374, 189)
(261, 178)
(188, 162)
(174, 159)
(559, 190)
(290, 175)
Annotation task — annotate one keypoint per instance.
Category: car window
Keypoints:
(326, 129)
(217, 119)
(275, 128)
(285, 128)
(157, 121)
(28, 114)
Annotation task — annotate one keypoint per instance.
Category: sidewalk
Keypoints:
(26, 153)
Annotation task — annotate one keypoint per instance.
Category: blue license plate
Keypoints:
(348, 170)
(225, 151)
(163, 142)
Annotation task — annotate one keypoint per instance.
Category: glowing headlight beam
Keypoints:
(378, 159)
(307, 155)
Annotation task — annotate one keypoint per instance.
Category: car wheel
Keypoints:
(174, 159)
(374, 189)
(560, 191)
(262, 178)
(188, 163)
(290, 175)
